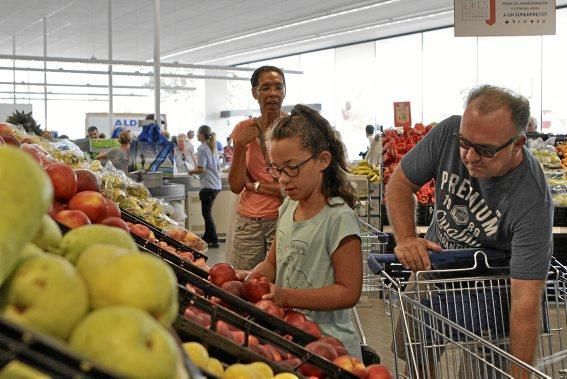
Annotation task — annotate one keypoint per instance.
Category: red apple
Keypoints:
(351, 364)
(141, 230)
(86, 181)
(72, 218)
(221, 273)
(186, 256)
(64, 181)
(276, 353)
(90, 202)
(255, 286)
(252, 341)
(9, 139)
(234, 287)
(290, 363)
(112, 209)
(269, 307)
(338, 345)
(238, 337)
(116, 222)
(2, 141)
(55, 208)
(224, 330)
(322, 349)
(5, 129)
(312, 328)
(293, 317)
(377, 371)
(36, 154)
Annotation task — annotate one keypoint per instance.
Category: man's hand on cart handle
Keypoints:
(412, 253)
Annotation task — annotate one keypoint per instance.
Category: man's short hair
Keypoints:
(369, 129)
(491, 98)
(92, 129)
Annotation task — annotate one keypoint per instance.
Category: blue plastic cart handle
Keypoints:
(446, 257)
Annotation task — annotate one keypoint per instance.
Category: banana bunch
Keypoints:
(372, 172)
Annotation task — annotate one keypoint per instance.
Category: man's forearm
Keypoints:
(524, 330)
(401, 207)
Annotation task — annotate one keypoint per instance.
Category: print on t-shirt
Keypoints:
(462, 215)
(294, 277)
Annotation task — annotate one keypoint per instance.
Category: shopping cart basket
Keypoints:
(451, 323)
(373, 242)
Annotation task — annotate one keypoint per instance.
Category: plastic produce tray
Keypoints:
(160, 235)
(44, 354)
(227, 349)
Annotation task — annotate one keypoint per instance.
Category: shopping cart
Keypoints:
(453, 322)
(373, 242)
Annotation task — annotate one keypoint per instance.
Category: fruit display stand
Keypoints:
(44, 354)
(230, 352)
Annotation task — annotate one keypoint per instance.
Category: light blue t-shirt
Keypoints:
(303, 260)
(205, 158)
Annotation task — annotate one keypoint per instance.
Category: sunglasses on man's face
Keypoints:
(482, 150)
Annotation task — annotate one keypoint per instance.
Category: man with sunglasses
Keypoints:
(490, 192)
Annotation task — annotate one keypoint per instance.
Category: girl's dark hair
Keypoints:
(317, 135)
(211, 139)
(260, 70)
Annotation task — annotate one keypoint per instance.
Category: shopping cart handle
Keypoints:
(446, 257)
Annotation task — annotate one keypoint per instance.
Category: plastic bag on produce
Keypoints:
(559, 197)
(178, 213)
(187, 237)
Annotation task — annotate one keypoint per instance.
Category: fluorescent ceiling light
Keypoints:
(279, 28)
(332, 35)
(93, 86)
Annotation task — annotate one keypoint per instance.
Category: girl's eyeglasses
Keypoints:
(292, 170)
(484, 151)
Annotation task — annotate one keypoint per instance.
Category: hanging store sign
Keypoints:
(504, 17)
(402, 114)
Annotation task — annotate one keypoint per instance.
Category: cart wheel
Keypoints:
(369, 356)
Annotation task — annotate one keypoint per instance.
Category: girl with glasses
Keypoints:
(315, 261)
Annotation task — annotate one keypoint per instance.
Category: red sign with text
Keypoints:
(402, 114)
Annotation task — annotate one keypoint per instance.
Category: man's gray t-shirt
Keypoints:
(512, 213)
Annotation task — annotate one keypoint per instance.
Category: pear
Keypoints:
(25, 194)
(46, 294)
(19, 370)
(128, 341)
(49, 235)
(116, 276)
(77, 240)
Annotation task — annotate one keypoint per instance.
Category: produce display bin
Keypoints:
(44, 354)
(228, 349)
(160, 235)
(560, 216)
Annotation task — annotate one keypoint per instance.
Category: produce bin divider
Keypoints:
(218, 312)
(44, 353)
(160, 235)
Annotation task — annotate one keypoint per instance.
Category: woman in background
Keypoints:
(120, 155)
(207, 169)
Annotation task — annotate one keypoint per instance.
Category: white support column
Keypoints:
(44, 70)
(110, 72)
(157, 77)
(14, 67)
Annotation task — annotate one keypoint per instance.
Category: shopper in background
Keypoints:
(219, 144)
(92, 132)
(316, 258)
(228, 150)
(260, 193)
(191, 146)
(369, 134)
(207, 169)
(120, 155)
(532, 125)
(479, 162)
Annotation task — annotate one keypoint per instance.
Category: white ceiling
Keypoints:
(78, 28)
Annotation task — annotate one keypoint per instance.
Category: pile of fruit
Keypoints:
(253, 288)
(395, 146)
(562, 153)
(66, 286)
(364, 168)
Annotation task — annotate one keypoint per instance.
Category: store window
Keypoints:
(398, 77)
(449, 72)
(554, 80)
(514, 63)
(355, 94)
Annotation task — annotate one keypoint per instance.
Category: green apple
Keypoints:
(30, 250)
(49, 235)
(25, 194)
(46, 294)
(139, 280)
(77, 240)
(127, 340)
